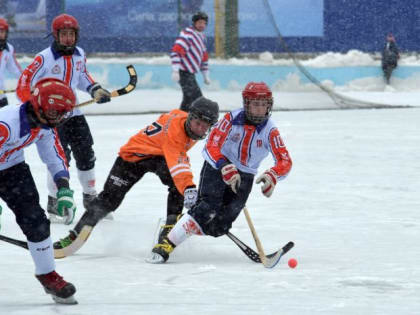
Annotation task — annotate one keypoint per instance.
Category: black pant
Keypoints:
(3, 102)
(218, 206)
(124, 175)
(75, 137)
(388, 68)
(18, 190)
(190, 89)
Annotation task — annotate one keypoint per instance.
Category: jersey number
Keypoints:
(153, 129)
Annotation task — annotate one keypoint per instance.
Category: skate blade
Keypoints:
(155, 259)
(69, 301)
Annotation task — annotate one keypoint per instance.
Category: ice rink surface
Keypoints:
(351, 205)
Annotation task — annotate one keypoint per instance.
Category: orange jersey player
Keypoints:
(159, 148)
(165, 137)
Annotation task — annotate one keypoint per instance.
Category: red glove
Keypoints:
(231, 177)
(269, 178)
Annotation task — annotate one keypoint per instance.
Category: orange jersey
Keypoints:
(165, 137)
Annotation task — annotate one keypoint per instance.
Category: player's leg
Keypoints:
(18, 190)
(190, 89)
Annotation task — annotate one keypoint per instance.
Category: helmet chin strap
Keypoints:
(65, 50)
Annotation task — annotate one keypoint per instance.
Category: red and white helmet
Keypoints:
(64, 21)
(261, 92)
(52, 101)
(4, 25)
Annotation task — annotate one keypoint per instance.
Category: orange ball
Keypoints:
(292, 263)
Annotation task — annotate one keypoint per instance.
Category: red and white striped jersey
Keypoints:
(8, 62)
(246, 145)
(16, 134)
(189, 52)
(51, 64)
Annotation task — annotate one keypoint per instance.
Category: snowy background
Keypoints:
(350, 204)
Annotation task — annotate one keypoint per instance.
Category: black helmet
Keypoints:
(200, 15)
(203, 109)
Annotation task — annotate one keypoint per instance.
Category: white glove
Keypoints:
(269, 178)
(206, 76)
(190, 197)
(175, 76)
(231, 177)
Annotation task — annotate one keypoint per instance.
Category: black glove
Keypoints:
(99, 94)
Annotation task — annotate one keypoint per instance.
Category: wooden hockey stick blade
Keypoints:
(75, 245)
(127, 89)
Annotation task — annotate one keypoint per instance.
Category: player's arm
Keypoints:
(283, 162)
(282, 167)
(216, 140)
(88, 84)
(179, 50)
(29, 75)
(5, 134)
(178, 164)
(52, 154)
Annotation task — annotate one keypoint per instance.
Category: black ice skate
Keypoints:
(61, 291)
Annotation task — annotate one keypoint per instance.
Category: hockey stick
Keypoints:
(127, 89)
(255, 236)
(268, 262)
(253, 255)
(58, 253)
(7, 91)
(14, 241)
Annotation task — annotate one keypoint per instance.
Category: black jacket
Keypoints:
(390, 54)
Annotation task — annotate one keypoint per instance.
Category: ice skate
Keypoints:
(161, 251)
(165, 229)
(61, 291)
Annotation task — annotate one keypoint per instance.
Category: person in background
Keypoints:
(234, 150)
(188, 56)
(390, 56)
(160, 148)
(66, 61)
(7, 60)
(34, 121)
